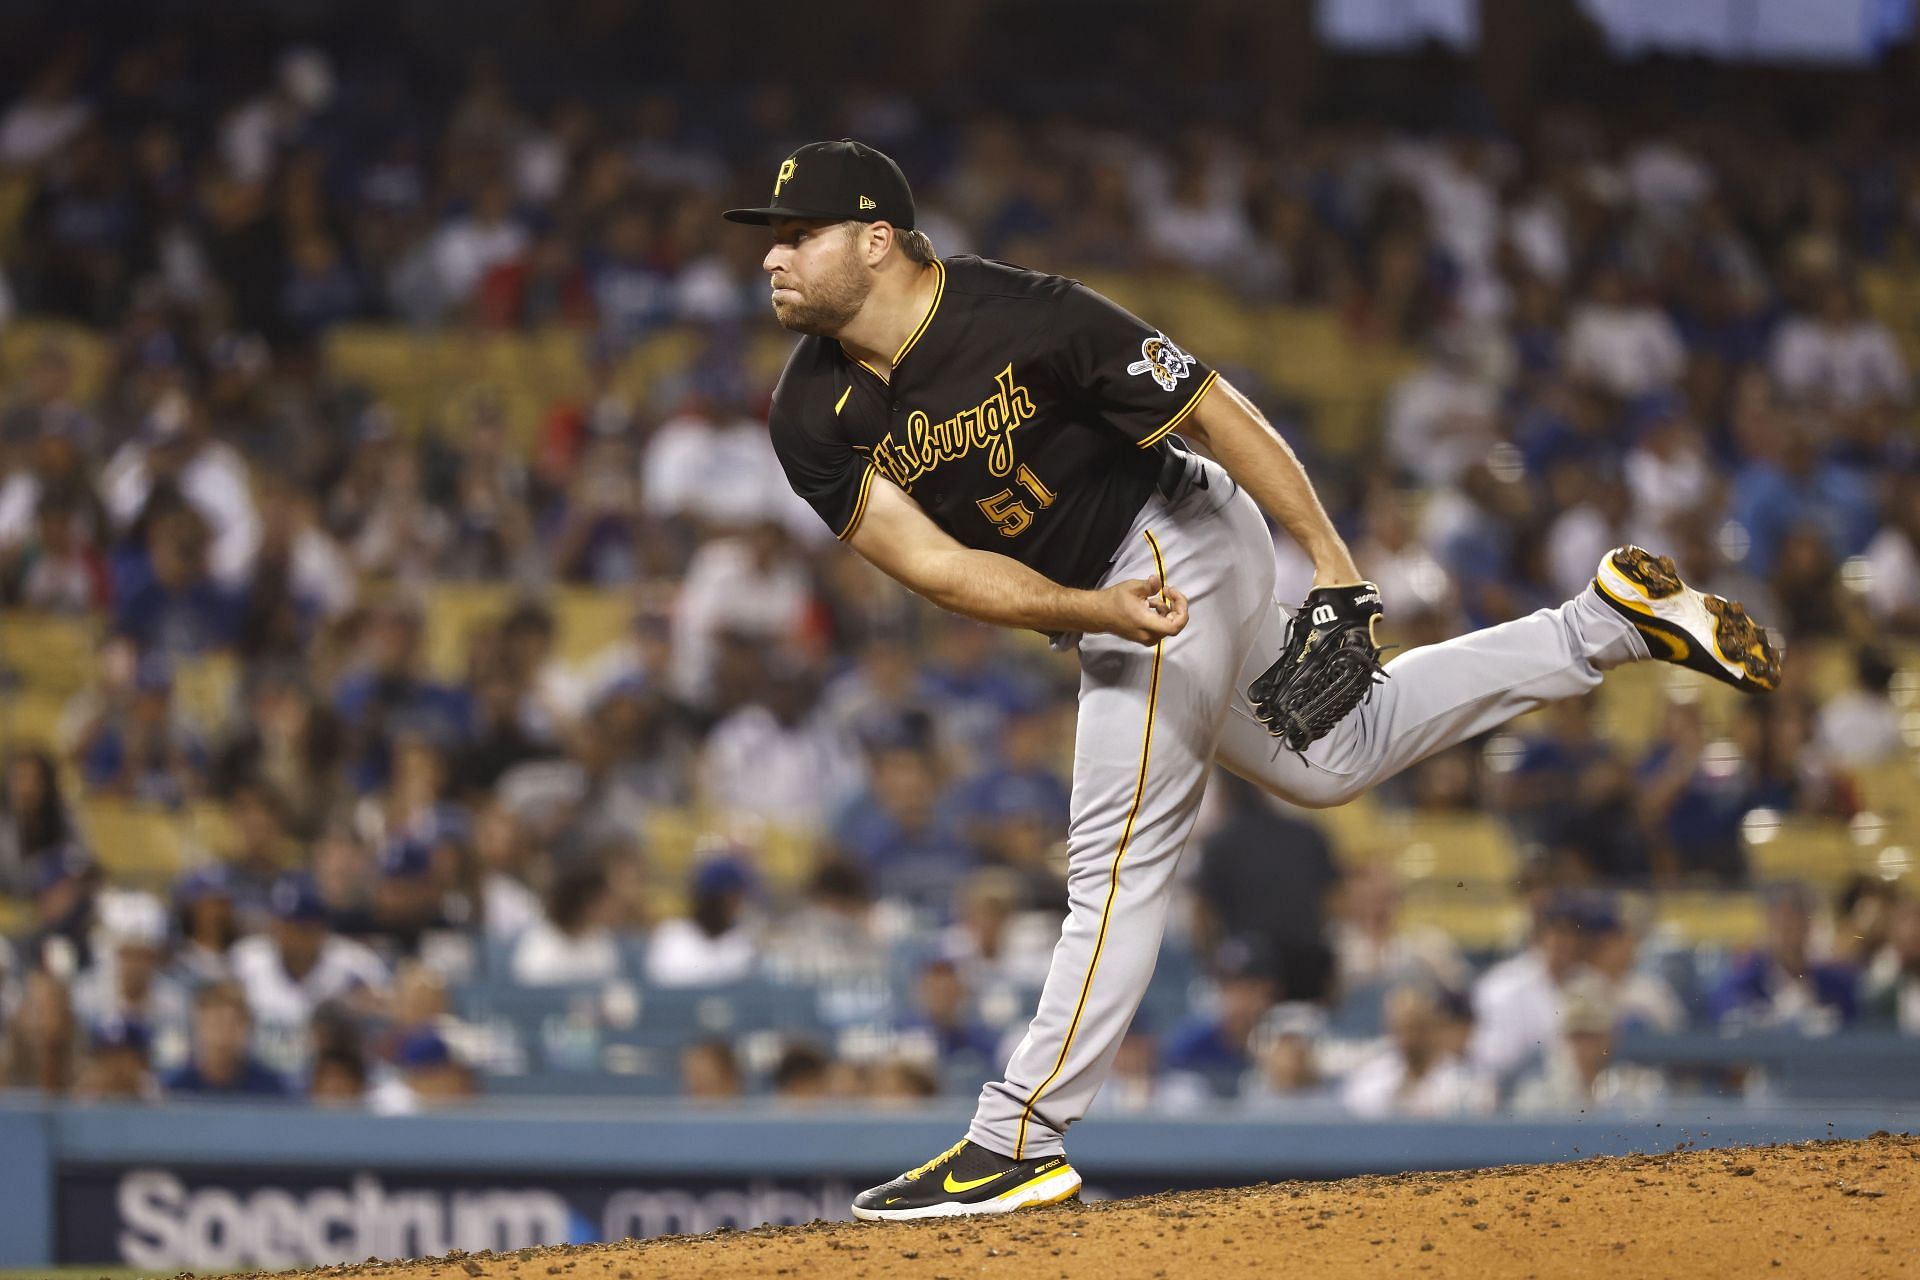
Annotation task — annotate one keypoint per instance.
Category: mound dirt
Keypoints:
(1828, 1209)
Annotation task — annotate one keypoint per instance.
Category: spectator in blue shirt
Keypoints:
(1788, 484)
(898, 832)
(1028, 746)
(165, 598)
(390, 693)
(223, 1064)
(1692, 805)
(1217, 1045)
(141, 750)
(943, 1011)
(1782, 985)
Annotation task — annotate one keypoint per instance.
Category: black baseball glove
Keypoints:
(1329, 666)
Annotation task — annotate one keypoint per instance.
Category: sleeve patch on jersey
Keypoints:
(1161, 358)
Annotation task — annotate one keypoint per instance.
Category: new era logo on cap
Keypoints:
(844, 180)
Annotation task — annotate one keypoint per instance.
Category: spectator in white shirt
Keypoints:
(1637, 1000)
(125, 982)
(1891, 990)
(1516, 1003)
(1579, 1074)
(575, 943)
(1668, 472)
(1592, 526)
(1373, 946)
(1841, 358)
(1893, 559)
(1417, 1072)
(776, 760)
(755, 585)
(297, 966)
(716, 942)
(718, 472)
(465, 249)
(1621, 343)
(1860, 727)
(174, 446)
(46, 117)
(1201, 224)
(1444, 416)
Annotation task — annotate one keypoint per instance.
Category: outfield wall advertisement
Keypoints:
(211, 1219)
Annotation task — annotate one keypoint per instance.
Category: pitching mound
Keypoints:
(1820, 1208)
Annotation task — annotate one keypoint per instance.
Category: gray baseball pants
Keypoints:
(1154, 720)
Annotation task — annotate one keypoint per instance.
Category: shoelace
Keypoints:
(934, 1163)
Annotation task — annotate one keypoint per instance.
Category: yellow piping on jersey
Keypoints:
(1206, 384)
(1113, 876)
(939, 291)
(841, 403)
(859, 505)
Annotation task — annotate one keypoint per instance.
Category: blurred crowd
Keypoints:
(1628, 329)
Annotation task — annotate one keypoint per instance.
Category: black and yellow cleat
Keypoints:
(968, 1179)
(1706, 633)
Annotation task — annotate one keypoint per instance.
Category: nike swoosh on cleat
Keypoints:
(956, 1187)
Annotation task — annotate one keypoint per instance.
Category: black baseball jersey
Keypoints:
(1026, 415)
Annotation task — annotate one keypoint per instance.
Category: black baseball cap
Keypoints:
(844, 180)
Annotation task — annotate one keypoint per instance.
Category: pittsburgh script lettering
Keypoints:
(988, 426)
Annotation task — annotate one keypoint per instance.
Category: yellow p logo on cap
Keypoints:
(787, 167)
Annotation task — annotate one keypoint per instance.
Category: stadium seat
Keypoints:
(20, 340)
(30, 718)
(137, 845)
(1729, 920)
(454, 613)
(206, 690)
(587, 621)
(1475, 921)
(48, 652)
(1819, 851)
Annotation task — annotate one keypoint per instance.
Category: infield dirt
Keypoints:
(1827, 1209)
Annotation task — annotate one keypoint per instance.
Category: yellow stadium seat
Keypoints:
(1891, 789)
(137, 845)
(49, 652)
(30, 720)
(670, 838)
(587, 621)
(786, 858)
(1475, 921)
(1354, 828)
(455, 613)
(206, 689)
(1721, 919)
(209, 827)
(1474, 848)
(1819, 851)
(23, 339)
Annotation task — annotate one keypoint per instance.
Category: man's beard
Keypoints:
(828, 304)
